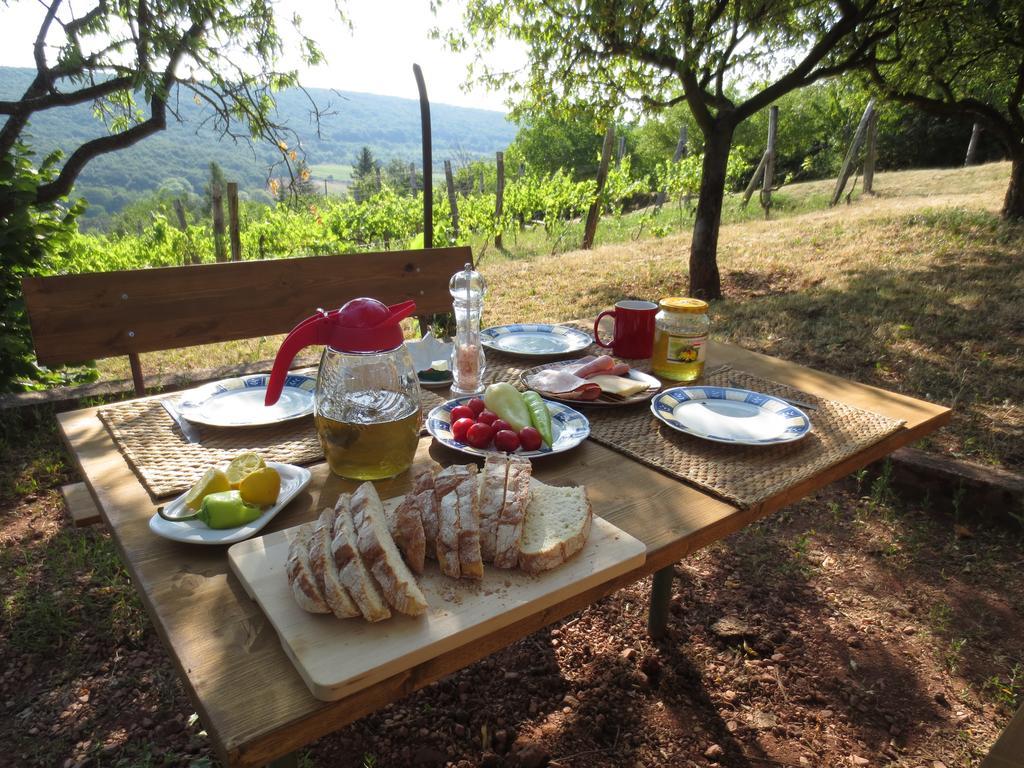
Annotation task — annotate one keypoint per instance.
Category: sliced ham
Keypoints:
(604, 365)
(561, 382)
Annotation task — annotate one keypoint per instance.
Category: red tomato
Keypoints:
(486, 417)
(476, 405)
(500, 424)
(530, 439)
(506, 440)
(479, 435)
(460, 428)
(462, 412)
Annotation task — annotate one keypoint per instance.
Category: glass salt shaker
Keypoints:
(467, 288)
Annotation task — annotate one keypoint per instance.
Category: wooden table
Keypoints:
(249, 697)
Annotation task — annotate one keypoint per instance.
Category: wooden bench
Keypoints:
(76, 318)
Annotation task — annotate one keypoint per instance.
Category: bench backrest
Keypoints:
(75, 318)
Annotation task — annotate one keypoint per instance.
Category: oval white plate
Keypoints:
(293, 480)
(569, 428)
(730, 415)
(239, 402)
(534, 339)
(653, 385)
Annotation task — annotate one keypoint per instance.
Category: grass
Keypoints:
(915, 289)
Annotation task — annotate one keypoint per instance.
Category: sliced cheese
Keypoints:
(618, 385)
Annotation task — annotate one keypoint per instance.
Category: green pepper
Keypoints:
(225, 509)
(539, 415)
(505, 400)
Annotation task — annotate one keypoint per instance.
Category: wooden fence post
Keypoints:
(851, 155)
(871, 155)
(451, 197)
(758, 174)
(676, 157)
(499, 204)
(380, 184)
(620, 151)
(179, 210)
(428, 161)
(218, 223)
(234, 235)
(602, 175)
(769, 166)
(972, 145)
(412, 178)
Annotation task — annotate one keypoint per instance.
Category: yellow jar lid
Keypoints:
(680, 304)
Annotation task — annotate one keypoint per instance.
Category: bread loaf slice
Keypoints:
(492, 497)
(325, 571)
(381, 556)
(556, 527)
(471, 566)
(405, 523)
(351, 569)
(423, 488)
(300, 573)
(446, 485)
(509, 530)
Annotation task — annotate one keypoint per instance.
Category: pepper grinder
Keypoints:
(467, 288)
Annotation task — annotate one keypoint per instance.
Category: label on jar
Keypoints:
(686, 349)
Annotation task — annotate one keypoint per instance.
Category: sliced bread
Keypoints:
(325, 571)
(423, 488)
(492, 497)
(556, 526)
(446, 492)
(351, 570)
(509, 529)
(405, 523)
(471, 566)
(300, 573)
(381, 555)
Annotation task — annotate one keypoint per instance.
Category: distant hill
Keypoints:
(180, 155)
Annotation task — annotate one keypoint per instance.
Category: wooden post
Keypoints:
(621, 151)
(758, 174)
(972, 145)
(452, 203)
(871, 155)
(234, 234)
(325, 187)
(412, 178)
(380, 185)
(483, 181)
(499, 204)
(602, 175)
(522, 170)
(676, 157)
(428, 160)
(769, 166)
(179, 210)
(851, 155)
(218, 223)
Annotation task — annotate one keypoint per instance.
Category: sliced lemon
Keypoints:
(213, 481)
(242, 465)
(260, 487)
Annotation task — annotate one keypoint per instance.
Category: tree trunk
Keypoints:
(705, 282)
(1013, 204)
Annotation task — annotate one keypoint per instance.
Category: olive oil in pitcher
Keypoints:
(369, 435)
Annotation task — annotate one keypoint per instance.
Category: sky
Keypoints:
(376, 56)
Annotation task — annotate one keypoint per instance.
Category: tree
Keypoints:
(610, 53)
(365, 168)
(131, 61)
(955, 58)
(216, 182)
(548, 142)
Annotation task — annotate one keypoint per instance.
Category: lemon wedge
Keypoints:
(261, 487)
(213, 481)
(242, 465)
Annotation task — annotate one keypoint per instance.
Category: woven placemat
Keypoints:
(167, 463)
(742, 475)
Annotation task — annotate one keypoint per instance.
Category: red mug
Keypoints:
(634, 328)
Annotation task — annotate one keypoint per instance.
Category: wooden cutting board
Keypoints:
(338, 657)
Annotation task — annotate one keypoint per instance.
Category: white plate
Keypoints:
(653, 385)
(239, 402)
(569, 428)
(730, 415)
(293, 480)
(535, 340)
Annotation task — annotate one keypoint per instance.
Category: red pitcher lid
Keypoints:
(362, 325)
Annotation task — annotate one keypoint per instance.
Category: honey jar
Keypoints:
(680, 338)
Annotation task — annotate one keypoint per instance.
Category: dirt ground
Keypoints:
(850, 629)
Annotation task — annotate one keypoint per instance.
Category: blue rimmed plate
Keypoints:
(535, 339)
(239, 402)
(569, 428)
(729, 415)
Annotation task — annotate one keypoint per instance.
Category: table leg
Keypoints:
(291, 760)
(661, 594)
